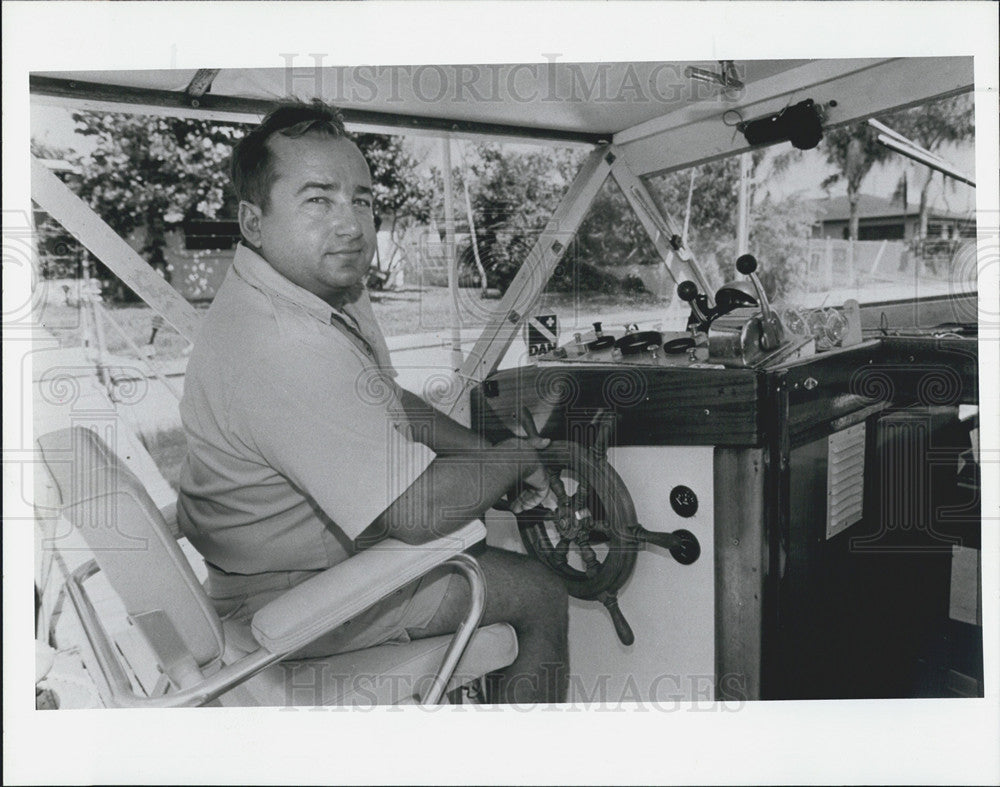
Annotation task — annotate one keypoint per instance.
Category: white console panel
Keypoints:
(670, 607)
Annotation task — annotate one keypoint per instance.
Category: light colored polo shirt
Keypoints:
(296, 437)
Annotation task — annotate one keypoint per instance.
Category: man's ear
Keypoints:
(250, 218)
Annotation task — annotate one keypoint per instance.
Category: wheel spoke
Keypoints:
(588, 554)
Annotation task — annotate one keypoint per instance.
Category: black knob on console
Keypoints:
(746, 264)
(687, 291)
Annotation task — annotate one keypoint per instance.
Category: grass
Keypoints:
(71, 325)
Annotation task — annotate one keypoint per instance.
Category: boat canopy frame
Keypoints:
(630, 141)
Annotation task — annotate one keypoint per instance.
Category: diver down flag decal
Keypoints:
(542, 333)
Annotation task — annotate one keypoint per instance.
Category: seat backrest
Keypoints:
(135, 549)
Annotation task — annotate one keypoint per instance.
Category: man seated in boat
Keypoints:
(302, 449)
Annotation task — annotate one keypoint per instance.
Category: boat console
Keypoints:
(758, 498)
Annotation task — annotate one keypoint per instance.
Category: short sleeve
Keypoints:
(329, 425)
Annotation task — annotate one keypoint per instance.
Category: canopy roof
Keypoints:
(871, 206)
(658, 116)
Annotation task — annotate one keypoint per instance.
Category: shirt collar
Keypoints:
(258, 273)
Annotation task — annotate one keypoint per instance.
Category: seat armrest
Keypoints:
(333, 597)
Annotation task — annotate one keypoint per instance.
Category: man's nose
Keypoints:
(346, 222)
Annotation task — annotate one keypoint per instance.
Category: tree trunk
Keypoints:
(855, 170)
(852, 221)
(924, 207)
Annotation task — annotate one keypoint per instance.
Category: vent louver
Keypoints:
(845, 479)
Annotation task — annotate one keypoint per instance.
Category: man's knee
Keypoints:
(523, 588)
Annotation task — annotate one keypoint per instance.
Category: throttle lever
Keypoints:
(687, 291)
(771, 334)
(747, 265)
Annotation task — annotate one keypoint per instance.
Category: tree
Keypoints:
(516, 193)
(513, 196)
(151, 174)
(400, 192)
(60, 255)
(854, 150)
(778, 228)
(932, 126)
(779, 236)
(712, 224)
(148, 174)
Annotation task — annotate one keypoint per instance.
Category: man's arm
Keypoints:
(453, 491)
(439, 432)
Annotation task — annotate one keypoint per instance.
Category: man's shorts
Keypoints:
(238, 597)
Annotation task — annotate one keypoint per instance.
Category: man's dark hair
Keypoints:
(251, 165)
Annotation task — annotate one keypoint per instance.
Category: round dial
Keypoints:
(684, 501)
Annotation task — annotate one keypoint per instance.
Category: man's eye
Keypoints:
(318, 200)
(364, 202)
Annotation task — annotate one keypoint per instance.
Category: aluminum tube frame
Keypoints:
(473, 572)
(120, 692)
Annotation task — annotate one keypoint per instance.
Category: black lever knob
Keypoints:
(683, 544)
(746, 264)
(687, 291)
(771, 330)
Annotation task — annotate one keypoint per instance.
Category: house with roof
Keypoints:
(886, 219)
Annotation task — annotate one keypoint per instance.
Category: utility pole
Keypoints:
(743, 212)
(450, 256)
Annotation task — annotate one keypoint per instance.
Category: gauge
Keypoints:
(683, 500)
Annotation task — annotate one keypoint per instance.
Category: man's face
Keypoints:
(318, 229)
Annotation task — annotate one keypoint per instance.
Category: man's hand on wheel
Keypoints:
(537, 491)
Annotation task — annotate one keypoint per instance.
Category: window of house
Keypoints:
(206, 235)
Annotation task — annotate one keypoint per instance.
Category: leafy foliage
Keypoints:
(854, 150)
(779, 229)
(714, 204)
(398, 188)
(779, 236)
(146, 175)
(150, 173)
(933, 126)
(60, 255)
(513, 195)
(516, 193)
